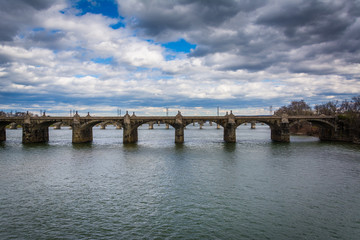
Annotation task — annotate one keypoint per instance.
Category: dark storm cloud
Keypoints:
(308, 21)
(158, 17)
(261, 30)
(16, 14)
(45, 39)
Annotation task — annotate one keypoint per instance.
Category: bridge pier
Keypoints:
(253, 125)
(281, 132)
(57, 126)
(179, 128)
(2, 134)
(341, 133)
(151, 125)
(230, 133)
(179, 134)
(102, 126)
(166, 126)
(81, 134)
(35, 133)
(13, 126)
(130, 131)
(230, 129)
(130, 134)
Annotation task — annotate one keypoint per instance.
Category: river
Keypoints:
(202, 189)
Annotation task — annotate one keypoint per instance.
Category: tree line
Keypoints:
(350, 108)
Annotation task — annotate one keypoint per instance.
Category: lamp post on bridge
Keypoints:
(167, 114)
(218, 114)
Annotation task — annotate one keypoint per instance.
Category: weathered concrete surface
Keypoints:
(130, 134)
(342, 133)
(230, 129)
(2, 134)
(280, 133)
(179, 134)
(280, 130)
(230, 133)
(130, 131)
(179, 128)
(35, 133)
(81, 134)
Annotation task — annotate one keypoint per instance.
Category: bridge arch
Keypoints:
(130, 132)
(6, 123)
(137, 124)
(104, 124)
(3, 125)
(271, 124)
(327, 129)
(221, 123)
(83, 132)
(279, 130)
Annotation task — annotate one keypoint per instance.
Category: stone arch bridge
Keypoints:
(35, 129)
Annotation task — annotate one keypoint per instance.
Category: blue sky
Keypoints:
(144, 56)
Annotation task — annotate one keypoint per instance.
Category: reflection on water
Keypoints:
(229, 147)
(79, 146)
(156, 189)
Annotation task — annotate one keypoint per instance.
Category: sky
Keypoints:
(194, 56)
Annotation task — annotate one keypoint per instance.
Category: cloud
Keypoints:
(165, 18)
(259, 32)
(17, 15)
(247, 53)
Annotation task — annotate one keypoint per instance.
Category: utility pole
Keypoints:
(167, 111)
(218, 111)
(271, 109)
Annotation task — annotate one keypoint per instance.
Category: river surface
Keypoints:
(202, 189)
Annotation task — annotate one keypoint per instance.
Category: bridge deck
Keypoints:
(159, 118)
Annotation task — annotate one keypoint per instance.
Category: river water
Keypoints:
(202, 189)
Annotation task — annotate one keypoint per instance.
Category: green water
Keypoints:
(202, 189)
